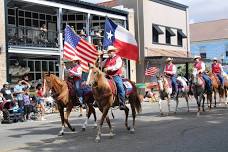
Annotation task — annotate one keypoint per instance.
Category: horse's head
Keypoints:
(48, 82)
(160, 82)
(94, 76)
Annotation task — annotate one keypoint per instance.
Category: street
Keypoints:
(181, 132)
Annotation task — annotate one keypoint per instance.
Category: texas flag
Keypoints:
(122, 39)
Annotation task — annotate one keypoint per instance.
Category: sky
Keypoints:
(200, 10)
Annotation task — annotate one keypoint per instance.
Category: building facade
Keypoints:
(33, 33)
(161, 29)
(210, 39)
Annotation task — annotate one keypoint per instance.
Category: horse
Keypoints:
(165, 91)
(105, 94)
(216, 87)
(66, 97)
(198, 89)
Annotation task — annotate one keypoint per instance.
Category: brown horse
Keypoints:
(216, 87)
(65, 96)
(105, 99)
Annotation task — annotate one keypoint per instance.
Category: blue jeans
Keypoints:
(78, 88)
(174, 83)
(120, 88)
(221, 79)
(207, 81)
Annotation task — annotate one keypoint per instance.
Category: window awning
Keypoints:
(158, 29)
(181, 33)
(170, 32)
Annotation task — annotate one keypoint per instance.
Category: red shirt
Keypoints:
(111, 62)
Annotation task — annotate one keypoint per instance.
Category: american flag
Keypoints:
(151, 71)
(74, 45)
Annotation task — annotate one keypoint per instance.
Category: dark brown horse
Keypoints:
(65, 96)
(105, 99)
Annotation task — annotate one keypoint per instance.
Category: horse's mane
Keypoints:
(57, 80)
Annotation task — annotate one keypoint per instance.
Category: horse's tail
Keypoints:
(136, 100)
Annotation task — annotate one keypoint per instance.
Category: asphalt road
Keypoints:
(181, 132)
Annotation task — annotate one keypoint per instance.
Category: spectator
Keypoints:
(7, 94)
(43, 33)
(18, 91)
(40, 99)
(27, 103)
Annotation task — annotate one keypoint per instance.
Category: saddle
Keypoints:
(128, 87)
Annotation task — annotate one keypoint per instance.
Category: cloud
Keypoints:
(200, 10)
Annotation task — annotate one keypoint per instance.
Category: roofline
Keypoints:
(91, 6)
(209, 21)
(172, 4)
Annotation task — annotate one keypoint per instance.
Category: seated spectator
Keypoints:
(43, 33)
(27, 103)
(7, 94)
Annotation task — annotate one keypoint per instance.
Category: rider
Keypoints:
(171, 70)
(199, 66)
(217, 70)
(112, 66)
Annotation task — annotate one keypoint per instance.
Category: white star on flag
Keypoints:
(109, 35)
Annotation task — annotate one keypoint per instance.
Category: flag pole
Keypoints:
(102, 55)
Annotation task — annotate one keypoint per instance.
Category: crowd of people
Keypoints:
(24, 98)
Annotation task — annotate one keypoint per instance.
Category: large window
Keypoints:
(156, 31)
(168, 34)
(203, 55)
(179, 40)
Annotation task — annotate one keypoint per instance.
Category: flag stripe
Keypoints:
(76, 46)
(151, 71)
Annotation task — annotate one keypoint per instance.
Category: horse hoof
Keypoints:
(61, 134)
(111, 135)
(132, 131)
(98, 140)
(73, 129)
(128, 128)
(161, 114)
(83, 129)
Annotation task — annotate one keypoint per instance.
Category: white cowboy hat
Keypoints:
(197, 57)
(76, 59)
(111, 48)
(82, 33)
(215, 59)
(169, 59)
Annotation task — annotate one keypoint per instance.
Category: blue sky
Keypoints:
(201, 10)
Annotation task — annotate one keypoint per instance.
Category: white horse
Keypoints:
(165, 91)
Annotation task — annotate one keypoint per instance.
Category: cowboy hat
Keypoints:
(215, 59)
(75, 58)
(197, 57)
(169, 59)
(82, 33)
(111, 48)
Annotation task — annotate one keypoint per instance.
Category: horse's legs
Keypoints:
(177, 102)
(104, 114)
(215, 98)
(126, 118)
(68, 111)
(186, 98)
(133, 116)
(61, 111)
(209, 97)
(203, 103)
(160, 106)
(110, 126)
(168, 101)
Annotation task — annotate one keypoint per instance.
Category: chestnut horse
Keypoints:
(105, 99)
(66, 98)
(216, 87)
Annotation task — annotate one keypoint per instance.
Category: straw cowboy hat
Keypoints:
(82, 33)
(197, 57)
(111, 49)
(169, 59)
(215, 59)
(76, 59)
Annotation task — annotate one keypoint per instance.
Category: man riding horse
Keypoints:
(171, 70)
(199, 67)
(113, 67)
(217, 70)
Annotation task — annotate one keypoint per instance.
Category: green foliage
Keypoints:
(181, 69)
